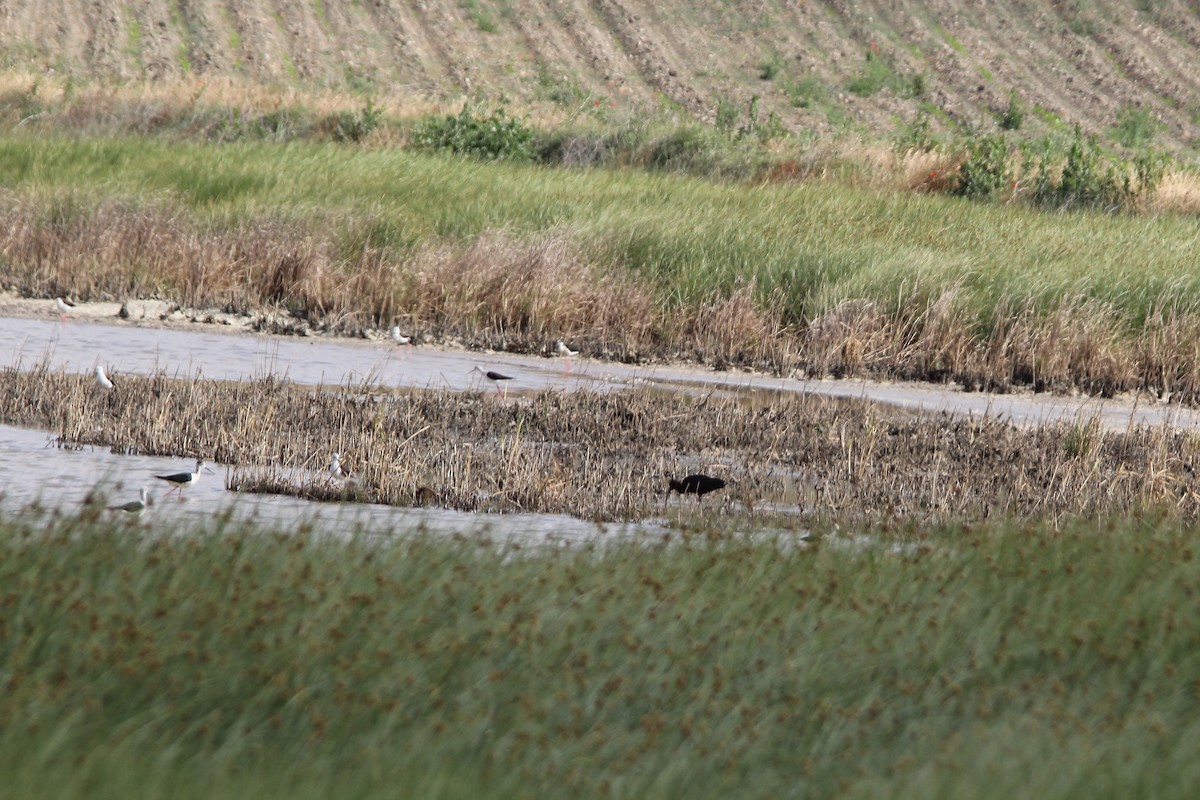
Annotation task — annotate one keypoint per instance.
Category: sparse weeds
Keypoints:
(878, 73)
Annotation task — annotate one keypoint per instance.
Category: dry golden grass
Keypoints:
(1178, 193)
(75, 102)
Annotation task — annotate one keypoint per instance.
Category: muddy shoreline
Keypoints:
(1019, 406)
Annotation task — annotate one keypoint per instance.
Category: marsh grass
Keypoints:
(991, 660)
(821, 279)
(607, 456)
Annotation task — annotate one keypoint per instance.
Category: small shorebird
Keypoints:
(698, 485)
(566, 352)
(133, 506)
(102, 379)
(64, 306)
(400, 339)
(496, 378)
(182, 480)
(335, 468)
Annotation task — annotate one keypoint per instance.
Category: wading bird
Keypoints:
(698, 485)
(566, 353)
(496, 378)
(335, 468)
(64, 306)
(401, 340)
(133, 506)
(102, 379)
(182, 480)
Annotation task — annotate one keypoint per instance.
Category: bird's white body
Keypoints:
(335, 467)
(133, 506)
(102, 379)
(400, 339)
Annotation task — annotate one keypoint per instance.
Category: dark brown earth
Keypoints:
(1078, 61)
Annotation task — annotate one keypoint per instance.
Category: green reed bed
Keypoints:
(820, 278)
(983, 661)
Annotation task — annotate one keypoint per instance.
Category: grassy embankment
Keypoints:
(988, 661)
(822, 277)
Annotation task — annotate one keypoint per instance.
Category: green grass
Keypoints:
(982, 661)
(812, 244)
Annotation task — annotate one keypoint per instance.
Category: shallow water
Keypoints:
(209, 352)
(36, 471)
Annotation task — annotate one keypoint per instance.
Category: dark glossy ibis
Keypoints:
(698, 485)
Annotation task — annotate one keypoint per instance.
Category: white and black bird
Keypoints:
(566, 353)
(133, 506)
(494, 377)
(182, 480)
(65, 306)
(400, 339)
(102, 379)
(336, 470)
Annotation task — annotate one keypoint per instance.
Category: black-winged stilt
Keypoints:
(566, 353)
(182, 480)
(400, 339)
(336, 470)
(698, 485)
(64, 306)
(102, 379)
(494, 377)
(133, 506)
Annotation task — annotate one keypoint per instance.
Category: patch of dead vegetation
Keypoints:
(606, 456)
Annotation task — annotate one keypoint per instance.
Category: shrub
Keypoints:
(1012, 117)
(878, 72)
(1136, 127)
(354, 126)
(917, 136)
(1087, 180)
(489, 136)
(986, 170)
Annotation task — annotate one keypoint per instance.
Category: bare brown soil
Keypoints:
(1078, 62)
(608, 456)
